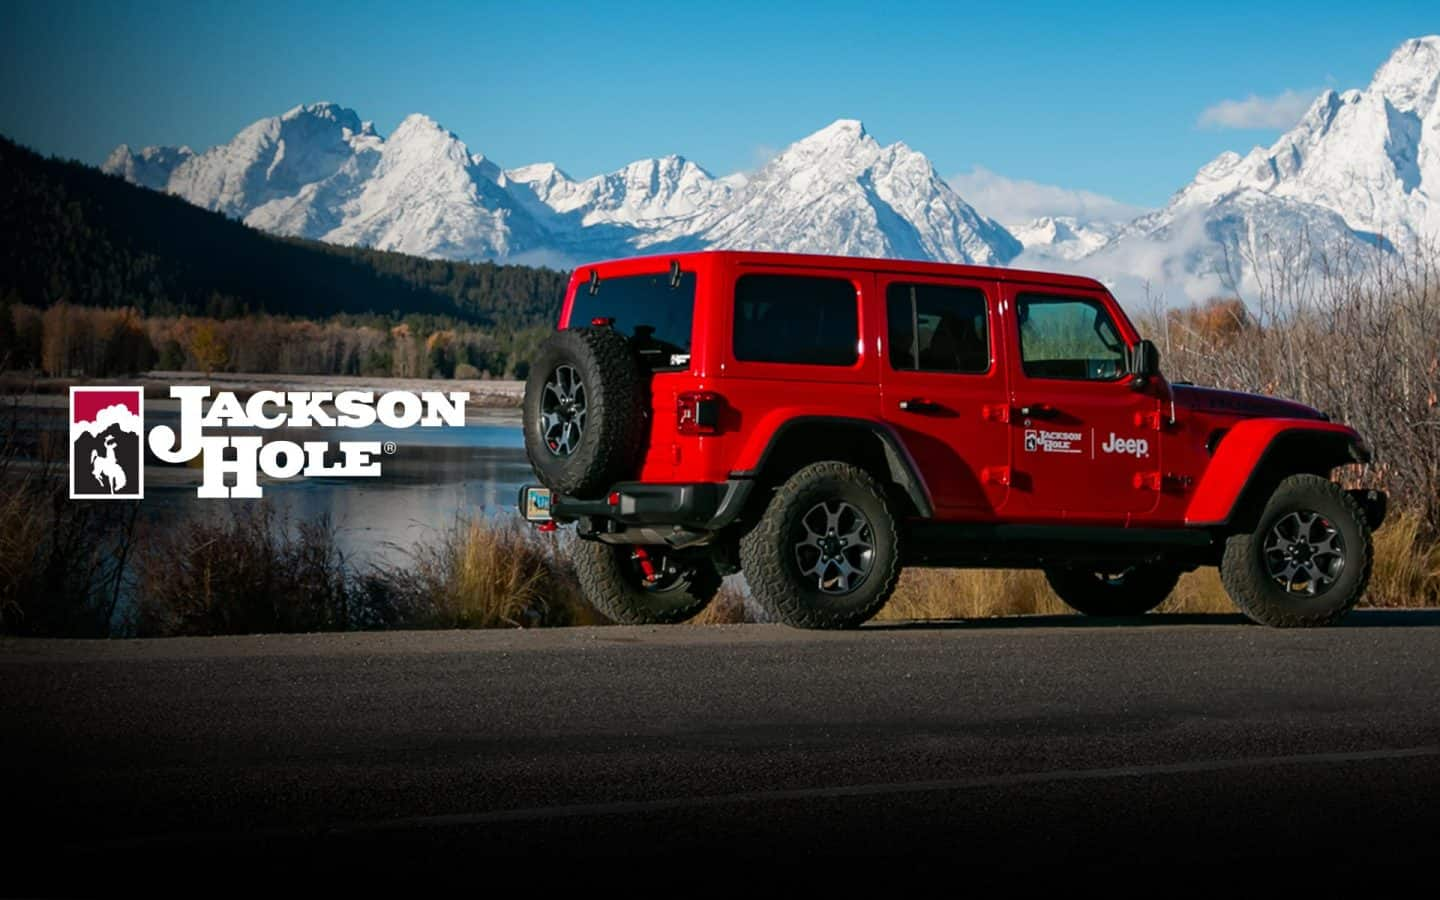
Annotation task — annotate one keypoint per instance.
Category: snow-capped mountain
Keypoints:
(839, 191)
(1359, 173)
(150, 167)
(1064, 237)
(429, 195)
(319, 172)
(1373, 156)
(644, 194)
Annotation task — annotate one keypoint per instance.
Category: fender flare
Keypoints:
(1255, 454)
(901, 467)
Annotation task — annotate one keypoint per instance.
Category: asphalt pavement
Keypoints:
(1012, 744)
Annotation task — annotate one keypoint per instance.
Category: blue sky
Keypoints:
(1111, 98)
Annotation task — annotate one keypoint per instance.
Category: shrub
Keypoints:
(478, 573)
(63, 563)
(249, 573)
(1360, 341)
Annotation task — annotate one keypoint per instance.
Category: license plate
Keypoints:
(535, 504)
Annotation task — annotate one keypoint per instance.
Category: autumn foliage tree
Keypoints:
(207, 349)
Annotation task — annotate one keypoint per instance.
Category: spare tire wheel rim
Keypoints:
(562, 411)
(1304, 553)
(835, 548)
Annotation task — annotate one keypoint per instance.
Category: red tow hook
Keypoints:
(646, 565)
(546, 526)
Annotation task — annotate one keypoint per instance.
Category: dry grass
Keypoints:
(480, 573)
(1406, 574)
(728, 607)
(63, 563)
(987, 593)
(22, 539)
(1199, 592)
(971, 594)
(1407, 567)
(245, 573)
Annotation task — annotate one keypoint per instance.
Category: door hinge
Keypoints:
(995, 412)
(995, 475)
(1168, 481)
(1148, 481)
(1152, 420)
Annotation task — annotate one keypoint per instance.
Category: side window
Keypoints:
(1068, 337)
(937, 328)
(796, 319)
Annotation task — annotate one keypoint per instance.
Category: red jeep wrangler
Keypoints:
(819, 422)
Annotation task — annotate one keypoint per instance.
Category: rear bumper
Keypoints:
(677, 514)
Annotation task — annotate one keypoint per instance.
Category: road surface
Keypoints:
(1019, 742)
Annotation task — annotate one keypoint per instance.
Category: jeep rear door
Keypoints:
(1083, 442)
(796, 342)
(943, 388)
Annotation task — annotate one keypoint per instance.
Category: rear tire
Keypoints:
(1308, 560)
(826, 552)
(614, 583)
(1133, 592)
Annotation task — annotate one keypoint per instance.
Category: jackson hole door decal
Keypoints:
(107, 443)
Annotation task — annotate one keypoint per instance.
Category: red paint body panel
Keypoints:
(1236, 458)
(1123, 456)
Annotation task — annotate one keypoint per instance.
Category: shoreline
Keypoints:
(489, 399)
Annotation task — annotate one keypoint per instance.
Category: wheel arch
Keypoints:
(1253, 458)
(871, 445)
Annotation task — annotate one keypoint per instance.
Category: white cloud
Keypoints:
(1148, 270)
(1280, 111)
(1013, 201)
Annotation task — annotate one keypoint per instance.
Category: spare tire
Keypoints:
(584, 411)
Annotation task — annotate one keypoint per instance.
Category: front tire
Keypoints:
(614, 581)
(1132, 592)
(826, 552)
(1308, 560)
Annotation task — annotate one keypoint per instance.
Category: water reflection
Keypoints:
(435, 475)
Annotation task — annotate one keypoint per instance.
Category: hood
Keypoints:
(1242, 405)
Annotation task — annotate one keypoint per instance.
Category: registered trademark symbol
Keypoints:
(389, 448)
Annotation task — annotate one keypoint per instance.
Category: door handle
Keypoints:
(1039, 411)
(920, 405)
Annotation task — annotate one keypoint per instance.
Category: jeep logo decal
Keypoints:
(1136, 447)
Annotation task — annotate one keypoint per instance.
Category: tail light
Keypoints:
(698, 412)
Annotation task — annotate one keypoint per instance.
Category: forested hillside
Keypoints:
(73, 234)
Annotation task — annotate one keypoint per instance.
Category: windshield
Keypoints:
(647, 310)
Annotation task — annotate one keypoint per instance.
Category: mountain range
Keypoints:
(1357, 172)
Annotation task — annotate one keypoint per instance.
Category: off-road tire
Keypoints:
(1142, 588)
(612, 439)
(611, 583)
(1243, 568)
(768, 559)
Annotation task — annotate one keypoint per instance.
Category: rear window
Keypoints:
(646, 309)
(796, 319)
(937, 328)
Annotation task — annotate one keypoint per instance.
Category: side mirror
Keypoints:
(1144, 362)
